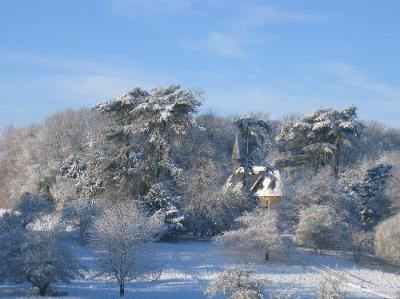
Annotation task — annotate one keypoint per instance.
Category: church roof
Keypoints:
(263, 181)
(268, 184)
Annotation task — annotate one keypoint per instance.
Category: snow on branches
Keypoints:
(322, 134)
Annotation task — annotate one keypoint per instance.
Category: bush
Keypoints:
(237, 284)
(330, 286)
(257, 235)
(321, 228)
(387, 239)
(361, 242)
(32, 206)
(36, 256)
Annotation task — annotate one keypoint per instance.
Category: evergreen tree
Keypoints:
(368, 193)
(322, 135)
(150, 118)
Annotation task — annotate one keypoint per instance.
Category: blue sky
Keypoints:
(277, 57)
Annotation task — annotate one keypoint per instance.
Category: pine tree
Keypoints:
(322, 135)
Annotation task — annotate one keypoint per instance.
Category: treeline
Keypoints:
(153, 148)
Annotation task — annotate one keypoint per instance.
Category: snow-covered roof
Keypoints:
(235, 181)
(265, 182)
(258, 169)
(269, 184)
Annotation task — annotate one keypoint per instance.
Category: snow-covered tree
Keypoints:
(81, 214)
(119, 238)
(39, 257)
(392, 186)
(152, 117)
(164, 204)
(236, 283)
(362, 242)
(258, 234)
(368, 191)
(46, 259)
(210, 210)
(33, 206)
(304, 190)
(387, 239)
(11, 238)
(88, 183)
(320, 228)
(322, 135)
(254, 139)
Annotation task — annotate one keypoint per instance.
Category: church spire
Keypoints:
(236, 158)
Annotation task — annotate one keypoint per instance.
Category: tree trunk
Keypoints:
(122, 289)
(267, 255)
(44, 290)
(337, 159)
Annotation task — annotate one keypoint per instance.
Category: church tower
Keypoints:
(236, 157)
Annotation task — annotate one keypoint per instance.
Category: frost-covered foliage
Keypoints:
(30, 157)
(119, 238)
(81, 214)
(145, 126)
(392, 186)
(331, 285)
(257, 235)
(33, 206)
(387, 239)
(322, 135)
(39, 257)
(63, 190)
(362, 242)
(160, 201)
(368, 192)
(77, 172)
(147, 139)
(236, 283)
(321, 228)
(46, 259)
(305, 190)
(209, 209)
(152, 117)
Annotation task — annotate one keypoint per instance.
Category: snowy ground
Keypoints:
(188, 266)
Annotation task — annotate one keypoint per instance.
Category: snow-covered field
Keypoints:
(188, 266)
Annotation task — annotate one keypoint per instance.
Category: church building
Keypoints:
(262, 181)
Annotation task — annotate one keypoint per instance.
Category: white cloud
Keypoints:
(220, 43)
(74, 81)
(57, 62)
(245, 31)
(349, 75)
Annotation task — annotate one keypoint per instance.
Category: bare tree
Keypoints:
(119, 238)
(361, 242)
(387, 239)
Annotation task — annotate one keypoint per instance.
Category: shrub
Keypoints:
(387, 239)
(321, 228)
(237, 284)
